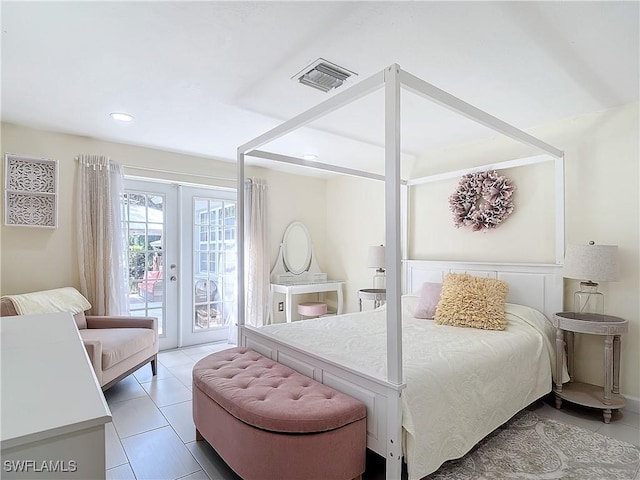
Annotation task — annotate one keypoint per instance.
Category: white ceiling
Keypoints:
(205, 77)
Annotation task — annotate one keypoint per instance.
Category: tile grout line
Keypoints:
(151, 430)
(184, 443)
(171, 425)
(123, 450)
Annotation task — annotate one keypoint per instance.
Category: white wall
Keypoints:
(346, 215)
(355, 221)
(434, 236)
(35, 259)
(602, 204)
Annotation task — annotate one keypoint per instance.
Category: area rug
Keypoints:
(529, 447)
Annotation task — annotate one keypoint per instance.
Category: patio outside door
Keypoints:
(151, 219)
(182, 260)
(208, 291)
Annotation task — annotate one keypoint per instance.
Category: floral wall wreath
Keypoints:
(482, 200)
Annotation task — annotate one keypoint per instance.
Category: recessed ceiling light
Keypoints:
(309, 156)
(121, 117)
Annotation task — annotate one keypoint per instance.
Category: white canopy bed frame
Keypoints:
(535, 285)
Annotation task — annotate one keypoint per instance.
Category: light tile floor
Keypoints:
(152, 435)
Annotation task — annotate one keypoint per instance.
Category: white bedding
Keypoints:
(462, 383)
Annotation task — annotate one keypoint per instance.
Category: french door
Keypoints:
(182, 259)
(209, 264)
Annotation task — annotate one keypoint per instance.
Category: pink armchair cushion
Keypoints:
(120, 322)
(118, 344)
(81, 320)
(271, 396)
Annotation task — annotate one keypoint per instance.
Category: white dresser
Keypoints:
(53, 410)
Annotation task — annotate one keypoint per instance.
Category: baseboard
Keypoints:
(633, 404)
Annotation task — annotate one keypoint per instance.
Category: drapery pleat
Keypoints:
(256, 257)
(101, 237)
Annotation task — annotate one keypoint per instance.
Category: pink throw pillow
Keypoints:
(428, 301)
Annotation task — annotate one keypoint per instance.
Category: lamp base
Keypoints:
(379, 281)
(588, 299)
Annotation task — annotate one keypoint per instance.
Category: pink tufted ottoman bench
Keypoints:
(269, 422)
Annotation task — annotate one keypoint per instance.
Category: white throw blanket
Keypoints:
(462, 383)
(66, 299)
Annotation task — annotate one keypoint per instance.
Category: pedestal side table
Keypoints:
(376, 295)
(608, 397)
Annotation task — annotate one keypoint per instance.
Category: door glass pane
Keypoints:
(144, 222)
(214, 263)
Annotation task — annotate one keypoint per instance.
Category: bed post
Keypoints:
(560, 226)
(240, 246)
(404, 221)
(392, 260)
(392, 223)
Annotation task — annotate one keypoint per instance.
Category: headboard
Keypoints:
(535, 285)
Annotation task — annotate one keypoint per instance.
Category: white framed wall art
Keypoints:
(30, 191)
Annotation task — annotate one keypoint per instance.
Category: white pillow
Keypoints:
(409, 303)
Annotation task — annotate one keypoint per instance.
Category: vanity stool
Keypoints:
(312, 309)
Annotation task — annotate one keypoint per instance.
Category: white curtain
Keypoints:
(101, 236)
(256, 256)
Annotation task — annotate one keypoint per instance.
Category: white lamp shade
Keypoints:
(598, 263)
(376, 257)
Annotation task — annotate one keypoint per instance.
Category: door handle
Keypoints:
(173, 278)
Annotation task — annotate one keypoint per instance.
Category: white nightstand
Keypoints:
(377, 295)
(608, 397)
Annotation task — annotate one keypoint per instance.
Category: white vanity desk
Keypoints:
(53, 410)
(296, 271)
(290, 289)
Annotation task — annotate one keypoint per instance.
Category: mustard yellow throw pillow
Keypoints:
(468, 301)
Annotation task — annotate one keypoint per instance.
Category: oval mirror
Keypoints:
(296, 246)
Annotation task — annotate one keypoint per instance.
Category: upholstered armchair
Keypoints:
(116, 346)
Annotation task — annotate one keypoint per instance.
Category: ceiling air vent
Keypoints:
(323, 75)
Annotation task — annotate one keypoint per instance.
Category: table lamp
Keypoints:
(376, 260)
(590, 264)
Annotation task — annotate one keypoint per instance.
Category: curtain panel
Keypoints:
(257, 261)
(101, 237)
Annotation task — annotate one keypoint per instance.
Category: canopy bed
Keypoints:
(389, 387)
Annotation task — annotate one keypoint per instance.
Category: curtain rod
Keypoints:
(199, 175)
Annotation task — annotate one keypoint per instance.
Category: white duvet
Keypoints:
(462, 383)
